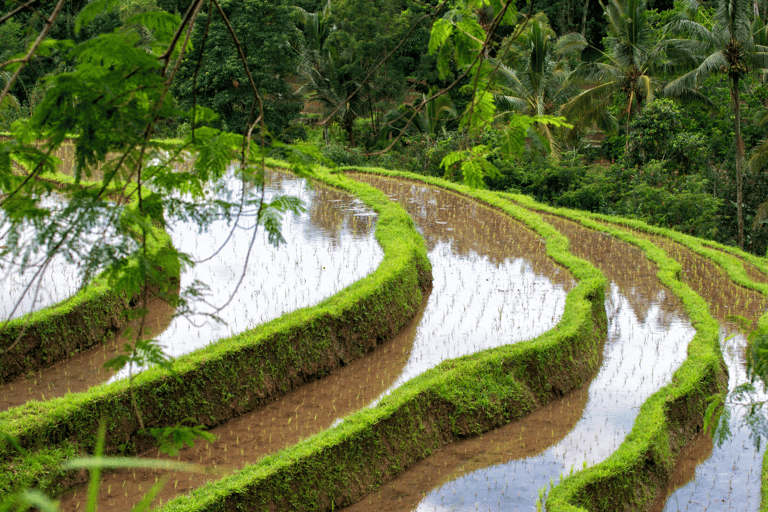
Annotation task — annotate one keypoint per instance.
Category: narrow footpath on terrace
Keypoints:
(493, 284)
(327, 248)
(507, 468)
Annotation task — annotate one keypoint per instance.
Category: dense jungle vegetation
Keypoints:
(663, 103)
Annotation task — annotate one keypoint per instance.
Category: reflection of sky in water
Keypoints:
(476, 304)
(483, 295)
(639, 358)
(57, 281)
(730, 478)
(325, 251)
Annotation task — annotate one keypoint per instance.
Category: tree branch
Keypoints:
(25, 60)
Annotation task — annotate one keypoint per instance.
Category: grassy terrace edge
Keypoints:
(459, 398)
(56, 332)
(632, 476)
(234, 375)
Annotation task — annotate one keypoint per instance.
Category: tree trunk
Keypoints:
(584, 19)
(739, 156)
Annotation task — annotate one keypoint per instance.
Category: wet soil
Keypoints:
(505, 469)
(244, 440)
(86, 369)
(250, 281)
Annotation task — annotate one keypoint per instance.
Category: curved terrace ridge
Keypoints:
(268, 361)
(459, 398)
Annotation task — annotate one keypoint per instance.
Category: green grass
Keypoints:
(236, 368)
(461, 397)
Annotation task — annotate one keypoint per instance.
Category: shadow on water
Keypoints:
(648, 334)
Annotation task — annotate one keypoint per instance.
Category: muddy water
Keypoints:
(327, 248)
(364, 381)
(85, 369)
(300, 414)
(493, 281)
(648, 333)
(729, 478)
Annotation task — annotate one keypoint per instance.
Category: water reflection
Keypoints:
(29, 281)
(328, 247)
(324, 251)
(729, 479)
(648, 335)
(493, 282)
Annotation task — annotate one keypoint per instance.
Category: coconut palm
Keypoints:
(328, 74)
(631, 64)
(427, 121)
(732, 47)
(330, 81)
(541, 84)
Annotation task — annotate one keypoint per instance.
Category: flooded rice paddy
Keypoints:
(490, 277)
(327, 248)
(493, 282)
(512, 467)
(726, 477)
(31, 280)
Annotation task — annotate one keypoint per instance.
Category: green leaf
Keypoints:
(468, 40)
(441, 31)
(161, 24)
(93, 9)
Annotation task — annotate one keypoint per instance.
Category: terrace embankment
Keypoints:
(284, 422)
(630, 478)
(459, 398)
(506, 468)
(729, 477)
(465, 247)
(85, 369)
(235, 375)
(327, 248)
(42, 338)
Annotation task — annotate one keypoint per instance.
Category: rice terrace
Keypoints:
(383, 255)
(488, 353)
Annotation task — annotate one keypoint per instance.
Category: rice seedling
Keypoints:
(577, 432)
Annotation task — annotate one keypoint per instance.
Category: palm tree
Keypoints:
(540, 87)
(329, 81)
(328, 74)
(427, 121)
(634, 57)
(731, 47)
